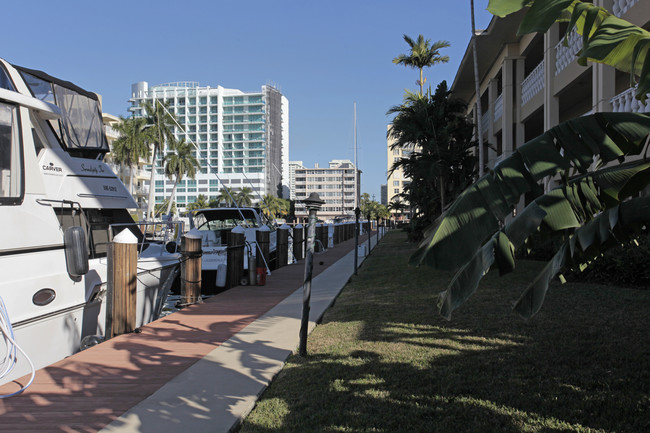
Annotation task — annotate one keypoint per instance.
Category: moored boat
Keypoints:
(54, 186)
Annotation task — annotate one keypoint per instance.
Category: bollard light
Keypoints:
(313, 204)
(357, 214)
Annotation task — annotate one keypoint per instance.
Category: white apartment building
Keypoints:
(242, 138)
(334, 184)
(530, 83)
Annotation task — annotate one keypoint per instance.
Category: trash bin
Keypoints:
(261, 276)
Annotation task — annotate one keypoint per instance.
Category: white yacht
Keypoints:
(60, 206)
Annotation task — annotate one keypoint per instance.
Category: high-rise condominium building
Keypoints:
(334, 184)
(242, 138)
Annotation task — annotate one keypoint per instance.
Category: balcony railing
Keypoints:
(566, 55)
(485, 122)
(625, 102)
(533, 83)
(498, 107)
(621, 6)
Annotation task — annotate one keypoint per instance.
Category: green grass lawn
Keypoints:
(383, 360)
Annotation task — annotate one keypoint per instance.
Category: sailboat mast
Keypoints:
(356, 162)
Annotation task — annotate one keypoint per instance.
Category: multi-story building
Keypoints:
(141, 175)
(242, 138)
(335, 184)
(293, 166)
(530, 83)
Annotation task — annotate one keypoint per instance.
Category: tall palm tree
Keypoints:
(422, 55)
(180, 162)
(245, 197)
(477, 89)
(131, 145)
(161, 130)
(226, 195)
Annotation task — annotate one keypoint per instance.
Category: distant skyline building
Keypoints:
(242, 138)
(335, 184)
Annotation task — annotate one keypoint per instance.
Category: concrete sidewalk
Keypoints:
(219, 390)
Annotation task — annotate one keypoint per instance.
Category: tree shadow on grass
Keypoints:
(580, 365)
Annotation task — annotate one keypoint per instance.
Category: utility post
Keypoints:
(357, 213)
(313, 204)
(369, 233)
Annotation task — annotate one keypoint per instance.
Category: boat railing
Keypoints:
(160, 232)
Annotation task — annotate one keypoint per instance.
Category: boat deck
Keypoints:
(91, 389)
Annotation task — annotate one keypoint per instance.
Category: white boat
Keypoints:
(55, 186)
(214, 224)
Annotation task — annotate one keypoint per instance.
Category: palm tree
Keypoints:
(245, 197)
(477, 89)
(441, 138)
(201, 202)
(226, 195)
(422, 55)
(131, 145)
(271, 206)
(180, 162)
(161, 126)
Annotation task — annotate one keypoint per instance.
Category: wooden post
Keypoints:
(283, 246)
(191, 267)
(235, 257)
(298, 242)
(122, 284)
(262, 236)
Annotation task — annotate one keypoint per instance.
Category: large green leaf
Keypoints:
(481, 209)
(555, 211)
(626, 220)
(606, 38)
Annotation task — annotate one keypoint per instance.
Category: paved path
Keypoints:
(197, 370)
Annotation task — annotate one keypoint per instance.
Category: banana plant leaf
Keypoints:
(481, 209)
(621, 224)
(606, 38)
(566, 207)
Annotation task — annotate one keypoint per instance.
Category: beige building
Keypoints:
(533, 82)
(335, 184)
(396, 180)
(141, 174)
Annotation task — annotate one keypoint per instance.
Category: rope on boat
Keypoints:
(9, 361)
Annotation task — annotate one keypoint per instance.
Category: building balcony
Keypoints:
(565, 55)
(498, 107)
(620, 7)
(533, 83)
(625, 102)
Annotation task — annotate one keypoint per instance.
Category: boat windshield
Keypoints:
(219, 219)
(80, 129)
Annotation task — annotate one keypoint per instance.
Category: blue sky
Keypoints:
(324, 56)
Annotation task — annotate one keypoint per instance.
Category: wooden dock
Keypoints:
(89, 390)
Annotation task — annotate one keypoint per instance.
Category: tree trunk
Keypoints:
(171, 197)
(477, 86)
(441, 184)
(131, 179)
(150, 202)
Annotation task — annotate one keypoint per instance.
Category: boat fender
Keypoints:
(76, 251)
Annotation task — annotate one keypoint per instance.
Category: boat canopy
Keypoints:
(80, 128)
(220, 218)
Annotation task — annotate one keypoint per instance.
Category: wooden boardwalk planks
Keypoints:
(87, 391)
